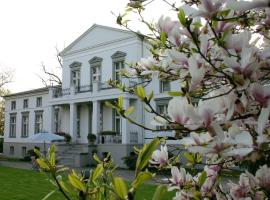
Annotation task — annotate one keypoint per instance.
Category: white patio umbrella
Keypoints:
(44, 137)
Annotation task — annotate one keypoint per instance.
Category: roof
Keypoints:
(69, 47)
(38, 90)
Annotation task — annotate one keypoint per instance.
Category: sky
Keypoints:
(32, 29)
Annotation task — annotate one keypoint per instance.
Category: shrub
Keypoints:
(130, 161)
(65, 135)
(91, 137)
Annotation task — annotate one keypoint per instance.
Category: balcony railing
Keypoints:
(83, 88)
(104, 86)
(59, 92)
(110, 139)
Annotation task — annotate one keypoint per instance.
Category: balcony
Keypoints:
(58, 92)
(83, 88)
(110, 139)
(117, 139)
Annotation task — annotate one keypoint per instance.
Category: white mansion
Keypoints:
(78, 106)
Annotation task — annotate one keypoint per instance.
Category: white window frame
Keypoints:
(13, 105)
(96, 76)
(12, 125)
(117, 72)
(25, 125)
(38, 121)
(163, 88)
(39, 102)
(25, 103)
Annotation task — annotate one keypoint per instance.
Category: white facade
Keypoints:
(78, 107)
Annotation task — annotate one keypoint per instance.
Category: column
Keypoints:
(96, 117)
(72, 121)
(51, 119)
(124, 125)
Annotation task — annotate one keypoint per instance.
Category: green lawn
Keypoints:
(20, 184)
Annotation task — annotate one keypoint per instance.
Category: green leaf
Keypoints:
(97, 172)
(140, 92)
(160, 192)
(48, 195)
(96, 158)
(202, 178)
(120, 187)
(52, 155)
(182, 17)
(120, 102)
(129, 111)
(189, 157)
(43, 164)
(76, 182)
(110, 105)
(163, 38)
(175, 93)
(145, 154)
(141, 178)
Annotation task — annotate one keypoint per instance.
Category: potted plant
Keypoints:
(91, 138)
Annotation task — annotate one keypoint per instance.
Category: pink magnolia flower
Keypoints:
(247, 64)
(261, 94)
(262, 177)
(238, 41)
(179, 178)
(242, 189)
(166, 25)
(180, 111)
(160, 157)
(196, 139)
(196, 69)
(208, 8)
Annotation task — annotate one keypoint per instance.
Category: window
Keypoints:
(13, 105)
(75, 74)
(95, 73)
(25, 125)
(95, 64)
(12, 124)
(38, 122)
(162, 110)
(24, 151)
(116, 122)
(11, 150)
(164, 86)
(75, 78)
(39, 101)
(118, 67)
(118, 59)
(25, 103)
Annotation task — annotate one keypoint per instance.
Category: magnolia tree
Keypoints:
(219, 53)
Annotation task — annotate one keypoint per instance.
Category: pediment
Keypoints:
(118, 54)
(95, 36)
(95, 60)
(75, 64)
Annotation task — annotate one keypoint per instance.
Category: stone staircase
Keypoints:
(73, 155)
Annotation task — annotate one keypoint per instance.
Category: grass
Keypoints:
(21, 184)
